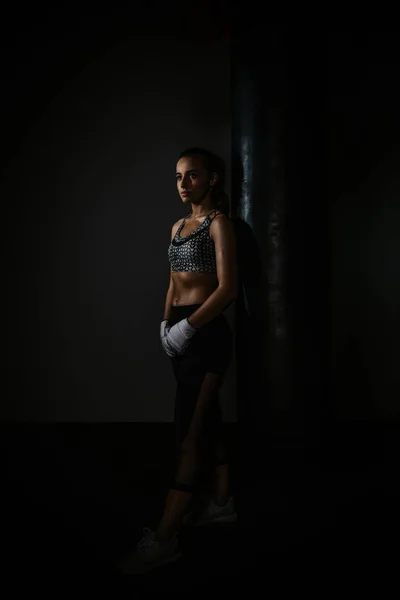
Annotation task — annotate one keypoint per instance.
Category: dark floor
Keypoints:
(75, 495)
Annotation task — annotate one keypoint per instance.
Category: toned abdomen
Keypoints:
(193, 288)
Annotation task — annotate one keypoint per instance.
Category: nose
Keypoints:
(184, 183)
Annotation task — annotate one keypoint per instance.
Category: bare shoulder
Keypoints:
(221, 221)
(221, 228)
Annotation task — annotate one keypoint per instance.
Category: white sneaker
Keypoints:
(150, 553)
(210, 512)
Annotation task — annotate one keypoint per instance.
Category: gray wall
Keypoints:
(90, 183)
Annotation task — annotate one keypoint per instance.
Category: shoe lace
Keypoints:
(148, 539)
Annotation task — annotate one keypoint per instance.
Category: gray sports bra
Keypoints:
(194, 252)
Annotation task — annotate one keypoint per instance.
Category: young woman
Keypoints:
(196, 336)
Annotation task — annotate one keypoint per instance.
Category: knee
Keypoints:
(188, 448)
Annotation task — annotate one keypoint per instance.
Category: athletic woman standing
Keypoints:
(199, 341)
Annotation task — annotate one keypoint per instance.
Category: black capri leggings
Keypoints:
(198, 419)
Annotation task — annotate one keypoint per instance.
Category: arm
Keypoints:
(169, 298)
(171, 288)
(222, 233)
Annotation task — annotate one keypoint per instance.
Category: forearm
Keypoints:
(212, 307)
(168, 304)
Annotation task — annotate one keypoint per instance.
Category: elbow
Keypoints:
(230, 293)
(233, 289)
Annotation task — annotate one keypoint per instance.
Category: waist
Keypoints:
(183, 311)
(192, 289)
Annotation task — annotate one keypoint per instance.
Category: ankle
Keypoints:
(164, 537)
(220, 500)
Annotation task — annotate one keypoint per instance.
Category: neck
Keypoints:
(201, 211)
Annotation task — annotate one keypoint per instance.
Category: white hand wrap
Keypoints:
(164, 331)
(180, 335)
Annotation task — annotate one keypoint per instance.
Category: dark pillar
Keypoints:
(259, 95)
(258, 84)
(282, 214)
(279, 199)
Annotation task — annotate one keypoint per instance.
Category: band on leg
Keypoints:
(182, 487)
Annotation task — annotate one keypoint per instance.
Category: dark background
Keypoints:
(94, 113)
(343, 182)
(363, 152)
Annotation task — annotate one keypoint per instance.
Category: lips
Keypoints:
(185, 193)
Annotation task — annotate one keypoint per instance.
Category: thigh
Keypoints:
(197, 411)
(207, 407)
(199, 374)
(215, 345)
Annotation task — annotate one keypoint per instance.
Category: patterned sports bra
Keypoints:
(194, 252)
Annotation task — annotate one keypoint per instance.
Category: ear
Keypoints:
(213, 179)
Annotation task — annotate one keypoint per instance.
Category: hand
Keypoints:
(179, 336)
(164, 331)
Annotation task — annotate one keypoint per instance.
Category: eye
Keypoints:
(193, 175)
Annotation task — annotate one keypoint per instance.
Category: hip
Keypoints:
(184, 311)
(210, 348)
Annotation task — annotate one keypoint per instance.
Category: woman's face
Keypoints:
(192, 179)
